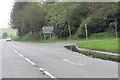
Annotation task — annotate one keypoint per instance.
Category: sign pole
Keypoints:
(50, 35)
(86, 31)
(116, 29)
(44, 35)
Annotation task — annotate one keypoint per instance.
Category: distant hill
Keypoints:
(9, 31)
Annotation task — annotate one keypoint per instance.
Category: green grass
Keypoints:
(110, 45)
(26, 39)
(103, 35)
(8, 31)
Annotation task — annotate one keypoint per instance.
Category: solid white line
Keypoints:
(29, 61)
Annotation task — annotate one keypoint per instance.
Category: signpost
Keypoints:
(47, 29)
(116, 28)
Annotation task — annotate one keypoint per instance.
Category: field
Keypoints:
(110, 45)
(8, 31)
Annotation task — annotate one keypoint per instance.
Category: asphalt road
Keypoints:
(27, 60)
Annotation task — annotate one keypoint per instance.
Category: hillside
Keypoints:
(8, 31)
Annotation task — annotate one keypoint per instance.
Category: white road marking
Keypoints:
(10, 47)
(21, 55)
(30, 61)
(41, 69)
(73, 63)
(15, 51)
(47, 73)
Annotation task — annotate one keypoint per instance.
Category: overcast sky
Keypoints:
(5, 10)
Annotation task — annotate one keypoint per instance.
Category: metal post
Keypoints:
(86, 31)
(44, 35)
(50, 35)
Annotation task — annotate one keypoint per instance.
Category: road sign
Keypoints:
(115, 24)
(50, 28)
(47, 31)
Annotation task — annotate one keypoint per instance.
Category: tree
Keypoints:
(4, 36)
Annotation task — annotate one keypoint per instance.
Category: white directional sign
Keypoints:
(48, 29)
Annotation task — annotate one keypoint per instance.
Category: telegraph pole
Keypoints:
(69, 29)
(86, 31)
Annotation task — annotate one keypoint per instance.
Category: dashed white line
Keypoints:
(21, 55)
(15, 51)
(47, 73)
(30, 61)
(41, 69)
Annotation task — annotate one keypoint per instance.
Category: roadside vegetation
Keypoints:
(30, 17)
(26, 39)
(68, 20)
(109, 45)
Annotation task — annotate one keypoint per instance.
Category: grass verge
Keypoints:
(109, 45)
(94, 54)
(40, 41)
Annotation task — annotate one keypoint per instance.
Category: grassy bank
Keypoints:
(110, 45)
(94, 54)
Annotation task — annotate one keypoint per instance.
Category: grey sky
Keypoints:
(5, 10)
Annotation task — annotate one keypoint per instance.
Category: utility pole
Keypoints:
(86, 31)
(69, 29)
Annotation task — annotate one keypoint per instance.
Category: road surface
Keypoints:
(39, 60)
